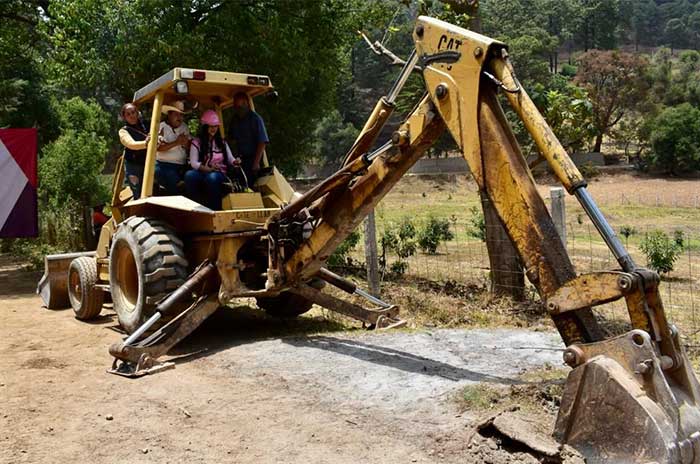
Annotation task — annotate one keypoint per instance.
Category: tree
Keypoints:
(675, 139)
(616, 84)
(333, 139)
(71, 166)
(676, 33)
(107, 50)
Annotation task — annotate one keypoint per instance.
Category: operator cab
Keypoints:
(203, 90)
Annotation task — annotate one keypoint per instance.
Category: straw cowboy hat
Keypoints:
(177, 106)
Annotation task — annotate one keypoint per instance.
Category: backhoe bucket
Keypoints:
(53, 286)
(623, 404)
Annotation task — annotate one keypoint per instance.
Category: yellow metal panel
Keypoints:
(246, 200)
(271, 201)
(461, 80)
(150, 166)
(276, 184)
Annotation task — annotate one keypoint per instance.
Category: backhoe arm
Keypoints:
(633, 398)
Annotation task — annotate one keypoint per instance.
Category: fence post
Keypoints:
(371, 255)
(507, 277)
(556, 195)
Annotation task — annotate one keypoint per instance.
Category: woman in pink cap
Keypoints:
(210, 158)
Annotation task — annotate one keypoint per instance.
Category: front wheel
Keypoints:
(85, 299)
(146, 263)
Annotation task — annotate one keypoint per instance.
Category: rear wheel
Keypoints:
(84, 297)
(146, 263)
(286, 305)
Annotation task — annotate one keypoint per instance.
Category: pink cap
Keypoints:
(210, 118)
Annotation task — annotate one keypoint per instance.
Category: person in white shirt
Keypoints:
(173, 145)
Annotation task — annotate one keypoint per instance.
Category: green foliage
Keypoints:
(568, 70)
(110, 49)
(399, 238)
(568, 111)
(70, 167)
(477, 224)
(341, 255)
(627, 231)
(675, 139)
(432, 233)
(333, 139)
(661, 251)
(589, 170)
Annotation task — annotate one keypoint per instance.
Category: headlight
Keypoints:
(182, 88)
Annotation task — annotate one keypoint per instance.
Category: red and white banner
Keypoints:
(18, 183)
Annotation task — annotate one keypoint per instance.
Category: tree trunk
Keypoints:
(598, 143)
(507, 277)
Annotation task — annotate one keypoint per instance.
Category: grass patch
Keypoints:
(537, 391)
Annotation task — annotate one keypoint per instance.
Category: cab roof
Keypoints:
(207, 87)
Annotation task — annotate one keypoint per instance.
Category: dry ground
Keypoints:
(340, 397)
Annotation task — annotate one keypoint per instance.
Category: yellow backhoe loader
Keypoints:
(168, 262)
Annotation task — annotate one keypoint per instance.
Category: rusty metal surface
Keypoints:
(167, 336)
(53, 285)
(591, 290)
(513, 194)
(620, 406)
(381, 318)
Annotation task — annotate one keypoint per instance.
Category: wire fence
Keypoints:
(463, 257)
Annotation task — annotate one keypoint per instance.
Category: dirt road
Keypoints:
(331, 398)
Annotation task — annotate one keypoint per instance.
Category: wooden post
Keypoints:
(558, 211)
(371, 255)
(507, 277)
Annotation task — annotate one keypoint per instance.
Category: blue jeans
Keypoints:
(134, 177)
(168, 176)
(210, 184)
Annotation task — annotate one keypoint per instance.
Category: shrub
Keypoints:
(434, 232)
(661, 251)
(340, 255)
(400, 239)
(568, 70)
(627, 231)
(675, 140)
(477, 224)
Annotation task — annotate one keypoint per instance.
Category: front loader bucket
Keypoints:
(53, 286)
(621, 405)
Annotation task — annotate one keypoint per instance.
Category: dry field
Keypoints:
(642, 203)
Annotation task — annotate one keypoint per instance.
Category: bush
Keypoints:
(568, 70)
(434, 232)
(675, 140)
(340, 255)
(400, 239)
(477, 224)
(661, 251)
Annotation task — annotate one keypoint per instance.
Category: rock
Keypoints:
(144, 451)
(109, 417)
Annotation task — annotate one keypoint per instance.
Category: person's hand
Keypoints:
(256, 166)
(205, 169)
(148, 138)
(237, 161)
(182, 139)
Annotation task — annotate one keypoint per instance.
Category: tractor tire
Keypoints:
(286, 305)
(85, 299)
(146, 263)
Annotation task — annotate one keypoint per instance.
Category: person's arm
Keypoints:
(128, 141)
(194, 156)
(194, 159)
(229, 155)
(263, 140)
(181, 139)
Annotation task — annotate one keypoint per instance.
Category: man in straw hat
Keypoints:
(173, 145)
